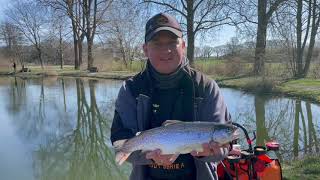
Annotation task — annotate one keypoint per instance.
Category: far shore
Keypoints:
(305, 89)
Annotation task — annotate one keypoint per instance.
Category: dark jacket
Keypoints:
(133, 110)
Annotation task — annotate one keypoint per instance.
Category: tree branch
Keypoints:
(167, 5)
(273, 7)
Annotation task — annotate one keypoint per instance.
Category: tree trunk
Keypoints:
(76, 53)
(296, 130)
(262, 134)
(314, 29)
(40, 57)
(303, 122)
(190, 32)
(90, 55)
(261, 38)
(313, 139)
(309, 55)
(75, 46)
(60, 49)
(298, 73)
(70, 5)
(80, 52)
(80, 44)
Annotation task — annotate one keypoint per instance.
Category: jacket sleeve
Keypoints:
(124, 123)
(213, 108)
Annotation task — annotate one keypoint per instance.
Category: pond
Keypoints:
(58, 128)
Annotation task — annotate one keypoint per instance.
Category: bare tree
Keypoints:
(219, 51)
(265, 9)
(93, 11)
(85, 16)
(30, 19)
(13, 40)
(60, 31)
(207, 51)
(74, 10)
(125, 29)
(233, 46)
(197, 16)
(313, 20)
(298, 27)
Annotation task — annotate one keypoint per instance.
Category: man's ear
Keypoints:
(183, 44)
(145, 49)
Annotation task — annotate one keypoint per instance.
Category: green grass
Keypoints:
(306, 88)
(306, 169)
(302, 88)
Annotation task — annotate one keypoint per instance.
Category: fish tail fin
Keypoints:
(121, 155)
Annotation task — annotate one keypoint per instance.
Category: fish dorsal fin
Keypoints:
(138, 133)
(168, 122)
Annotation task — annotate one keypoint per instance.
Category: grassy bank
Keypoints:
(68, 71)
(306, 169)
(302, 88)
(227, 74)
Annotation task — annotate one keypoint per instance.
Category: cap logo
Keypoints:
(162, 20)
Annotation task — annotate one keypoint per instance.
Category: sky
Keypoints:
(3, 4)
(220, 37)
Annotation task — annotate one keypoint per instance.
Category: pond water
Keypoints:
(58, 128)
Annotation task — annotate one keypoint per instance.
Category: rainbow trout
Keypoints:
(176, 137)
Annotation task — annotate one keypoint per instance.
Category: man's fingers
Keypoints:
(173, 158)
(193, 153)
(205, 146)
(150, 155)
(158, 152)
(214, 145)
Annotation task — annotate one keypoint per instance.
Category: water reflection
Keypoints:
(61, 127)
(83, 152)
(293, 123)
(17, 94)
(65, 145)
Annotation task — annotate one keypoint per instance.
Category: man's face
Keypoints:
(165, 51)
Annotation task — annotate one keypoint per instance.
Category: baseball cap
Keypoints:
(162, 22)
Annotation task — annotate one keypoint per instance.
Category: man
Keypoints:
(168, 89)
(14, 65)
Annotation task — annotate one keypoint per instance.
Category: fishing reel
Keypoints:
(252, 163)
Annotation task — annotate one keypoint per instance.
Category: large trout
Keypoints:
(176, 137)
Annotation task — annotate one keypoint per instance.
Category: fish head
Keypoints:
(225, 133)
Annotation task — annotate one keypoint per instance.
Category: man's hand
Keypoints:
(210, 149)
(159, 159)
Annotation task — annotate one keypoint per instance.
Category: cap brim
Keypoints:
(176, 32)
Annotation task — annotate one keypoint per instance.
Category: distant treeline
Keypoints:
(78, 31)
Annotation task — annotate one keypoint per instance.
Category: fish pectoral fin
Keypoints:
(168, 122)
(118, 144)
(121, 157)
(174, 157)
